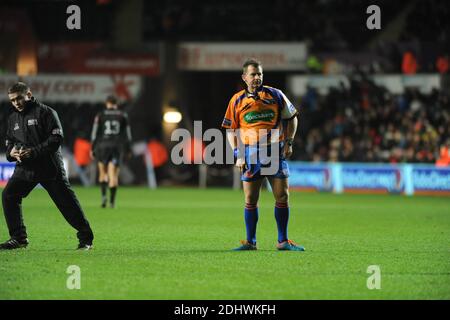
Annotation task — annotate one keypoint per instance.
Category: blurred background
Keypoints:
(365, 96)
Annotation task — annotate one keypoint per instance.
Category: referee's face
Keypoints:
(253, 77)
(18, 99)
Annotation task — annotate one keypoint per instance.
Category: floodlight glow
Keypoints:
(172, 117)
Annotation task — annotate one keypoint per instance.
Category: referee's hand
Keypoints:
(287, 151)
(240, 163)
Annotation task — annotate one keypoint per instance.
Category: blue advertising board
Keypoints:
(311, 176)
(369, 177)
(375, 177)
(426, 180)
(6, 171)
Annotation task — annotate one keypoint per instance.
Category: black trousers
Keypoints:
(61, 194)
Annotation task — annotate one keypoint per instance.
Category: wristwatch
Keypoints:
(289, 141)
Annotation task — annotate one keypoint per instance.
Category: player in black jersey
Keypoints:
(111, 139)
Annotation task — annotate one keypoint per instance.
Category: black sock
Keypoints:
(112, 194)
(103, 186)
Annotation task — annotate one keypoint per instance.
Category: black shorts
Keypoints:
(106, 154)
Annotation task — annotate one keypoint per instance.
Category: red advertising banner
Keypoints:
(229, 56)
(94, 58)
(64, 87)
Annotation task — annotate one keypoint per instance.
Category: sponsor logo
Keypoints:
(32, 122)
(388, 179)
(431, 179)
(308, 177)
(254, 116)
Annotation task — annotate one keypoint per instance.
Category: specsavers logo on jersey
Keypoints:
(255, 116)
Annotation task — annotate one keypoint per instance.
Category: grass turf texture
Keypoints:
(175, 244)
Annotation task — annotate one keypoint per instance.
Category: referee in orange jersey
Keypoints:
(257, 109)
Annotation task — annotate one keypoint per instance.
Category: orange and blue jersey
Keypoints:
(265, 109)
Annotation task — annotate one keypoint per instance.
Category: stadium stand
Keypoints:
(363, 123)
(367, 123)
(332, 26)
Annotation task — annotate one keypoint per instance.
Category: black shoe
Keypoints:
(14, 244)
(84, 246)
(103, 205)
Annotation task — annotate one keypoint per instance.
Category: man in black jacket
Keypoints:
(34, 136)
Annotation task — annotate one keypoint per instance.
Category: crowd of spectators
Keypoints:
(360, 123)
(367, 123)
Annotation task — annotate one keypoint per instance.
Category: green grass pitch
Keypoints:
(175, 244)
